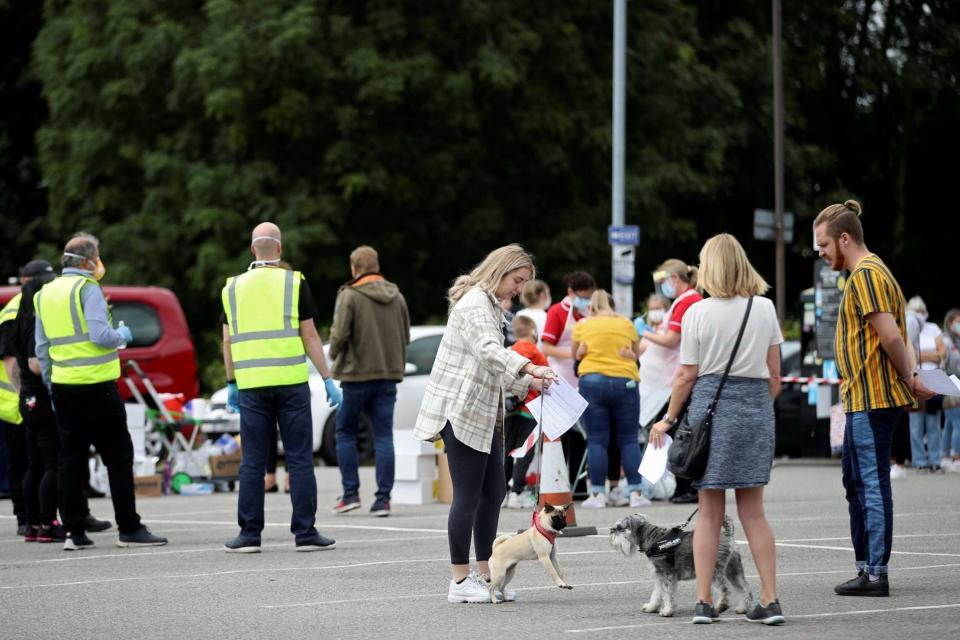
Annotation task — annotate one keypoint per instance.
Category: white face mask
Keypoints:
(263, 263)
(655, 316)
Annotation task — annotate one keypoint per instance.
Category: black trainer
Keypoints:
(242, 545)
(77, 541)
(22, 528)
(142, 537)
(380, 508)
(93, 525)
(685, 498)
(319, 542)
(704, 613)
(770, 614)
(861, 586)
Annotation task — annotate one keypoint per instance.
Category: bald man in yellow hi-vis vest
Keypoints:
(76, 346)
(268, 333)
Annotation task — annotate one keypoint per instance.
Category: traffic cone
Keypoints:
(555, 486)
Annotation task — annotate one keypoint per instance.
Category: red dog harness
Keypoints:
(549, 535)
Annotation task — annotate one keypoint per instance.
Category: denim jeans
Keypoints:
(866, 478)
(951, 431)
(376, 398)
(924, 424)
(262, 410)
(614, 411)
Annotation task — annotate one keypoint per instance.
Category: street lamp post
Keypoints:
(778, 159)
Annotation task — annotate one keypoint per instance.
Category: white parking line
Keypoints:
(896, 536)
(831, 548)
(789, 617)
(321, 603)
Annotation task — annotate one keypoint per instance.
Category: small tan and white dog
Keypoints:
(537, 542)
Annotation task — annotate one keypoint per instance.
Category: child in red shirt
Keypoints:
(520, 424)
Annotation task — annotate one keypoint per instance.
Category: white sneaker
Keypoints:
(520, 501)
(510, 596)
(617, 497)
(595, 501)
(472, 590)
(637, 500)
(953, 467)
(898, 472)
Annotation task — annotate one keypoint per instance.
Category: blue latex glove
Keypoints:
(642, 326)
(334, 397)
(233, 397)
(125, 333)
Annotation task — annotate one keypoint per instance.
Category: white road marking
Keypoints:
(831, 548)
(789, 617)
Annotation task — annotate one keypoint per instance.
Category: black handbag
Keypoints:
(690, 450)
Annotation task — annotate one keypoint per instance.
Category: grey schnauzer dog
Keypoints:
(635, 532)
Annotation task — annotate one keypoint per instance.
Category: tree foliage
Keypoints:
(437, 130)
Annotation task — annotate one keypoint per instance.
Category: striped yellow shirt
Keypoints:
(870, 381)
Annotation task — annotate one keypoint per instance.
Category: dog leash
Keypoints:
(684, 525)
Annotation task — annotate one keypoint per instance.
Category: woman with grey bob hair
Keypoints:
(742, 437)
(464, 406)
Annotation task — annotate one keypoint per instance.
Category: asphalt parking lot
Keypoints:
(387, 578)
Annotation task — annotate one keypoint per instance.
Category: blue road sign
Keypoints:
(627, 234)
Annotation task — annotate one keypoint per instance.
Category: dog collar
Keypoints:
(549, 535)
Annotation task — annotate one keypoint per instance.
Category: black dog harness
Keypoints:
(666, 546)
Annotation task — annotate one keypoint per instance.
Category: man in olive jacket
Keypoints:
(368, 343)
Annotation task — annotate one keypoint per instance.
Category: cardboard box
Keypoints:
(225, 466)
(148, 486)
(444, 483)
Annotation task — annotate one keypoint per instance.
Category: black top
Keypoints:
(306, 305)
(19, 340)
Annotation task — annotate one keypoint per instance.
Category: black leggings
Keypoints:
(518, 428)
(43, 448)
(478, 491)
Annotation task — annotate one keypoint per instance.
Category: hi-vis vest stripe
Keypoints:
(9, 398)
(75, 359)
(262, 311)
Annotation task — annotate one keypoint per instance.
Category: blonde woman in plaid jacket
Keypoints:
(464, 405)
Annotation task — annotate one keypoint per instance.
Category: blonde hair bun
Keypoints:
(854, 206)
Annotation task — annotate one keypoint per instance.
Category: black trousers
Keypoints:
(478, 491)
(94, 414)
(16, 439)
(517, 428)
(40, 490)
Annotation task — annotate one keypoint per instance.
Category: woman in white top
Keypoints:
(536, 300)
(742, 438)
(464, 405)
(925, 421)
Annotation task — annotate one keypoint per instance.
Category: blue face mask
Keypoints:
(667, 288)
(581, 304)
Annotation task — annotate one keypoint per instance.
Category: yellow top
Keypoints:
(870, 381)
(604, 337)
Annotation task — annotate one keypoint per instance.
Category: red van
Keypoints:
(161, 339)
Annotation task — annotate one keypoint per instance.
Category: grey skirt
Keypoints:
(742, 439)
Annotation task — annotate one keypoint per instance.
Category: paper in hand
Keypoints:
(654, 462)
(562, 409)
(939, 382)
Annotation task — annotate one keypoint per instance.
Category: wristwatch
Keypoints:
(666, 418)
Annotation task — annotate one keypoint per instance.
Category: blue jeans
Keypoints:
(376, 398)
(261, 412)
(867, 442)
(614, 410)
(951, 431)
(924, 424)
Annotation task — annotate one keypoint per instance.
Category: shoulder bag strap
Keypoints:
(736, 347)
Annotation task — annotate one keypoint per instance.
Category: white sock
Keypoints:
(873, 578)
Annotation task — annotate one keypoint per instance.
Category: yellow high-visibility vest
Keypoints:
(264, 316)
(75, 359)
(9, 398)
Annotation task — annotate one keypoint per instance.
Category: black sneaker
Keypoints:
(347, 503)
(142, 537)
(93, 525)
(23, 529)
(53, 533)
(31, 534)
(770, 614)
(318, 542)
(704, 613)
(242, 545)
(77, 541)
(685, 498)
(861, 586)
(380, 508)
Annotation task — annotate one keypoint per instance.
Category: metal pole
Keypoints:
(778, 158)
(622, 292)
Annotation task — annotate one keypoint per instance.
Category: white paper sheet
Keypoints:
(938, 382)
(563, 408)
(654, 462)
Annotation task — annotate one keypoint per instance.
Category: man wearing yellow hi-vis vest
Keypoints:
(268, 333)
(15, 464)
(76, 346)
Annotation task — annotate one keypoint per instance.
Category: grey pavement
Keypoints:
(388, 577)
